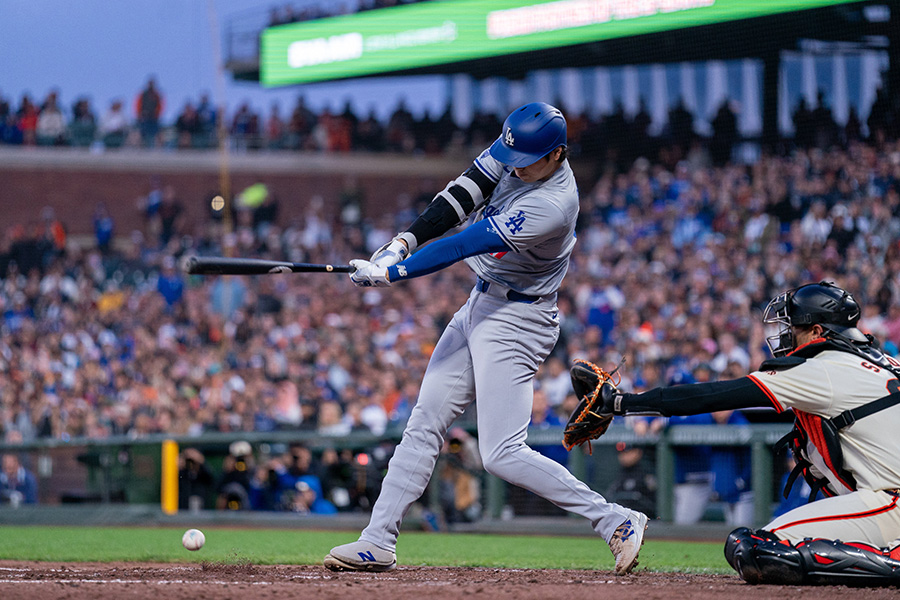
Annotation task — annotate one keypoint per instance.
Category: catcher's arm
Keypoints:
(597, 394)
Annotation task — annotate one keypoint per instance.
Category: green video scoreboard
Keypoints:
(442, 32)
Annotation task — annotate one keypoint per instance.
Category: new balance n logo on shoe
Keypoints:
(366, 556)
(626, 529)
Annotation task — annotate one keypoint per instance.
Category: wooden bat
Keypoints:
(219, 265)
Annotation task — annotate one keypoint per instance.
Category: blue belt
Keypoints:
(512, 295)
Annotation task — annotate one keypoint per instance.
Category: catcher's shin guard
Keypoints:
(760, 557)
(832, 562)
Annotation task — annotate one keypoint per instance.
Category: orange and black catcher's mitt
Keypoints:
(596, 393)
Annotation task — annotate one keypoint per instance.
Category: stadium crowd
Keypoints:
(671, 271)
(676, 258)
(200, 124)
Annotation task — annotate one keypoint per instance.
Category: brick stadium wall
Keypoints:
(74, 181)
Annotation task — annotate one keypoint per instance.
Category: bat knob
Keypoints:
(189, 264)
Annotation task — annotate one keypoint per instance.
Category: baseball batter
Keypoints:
(842, 391)
(525, 203)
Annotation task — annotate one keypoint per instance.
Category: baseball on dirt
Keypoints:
(193, 539)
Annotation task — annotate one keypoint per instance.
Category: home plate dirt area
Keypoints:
(214, 581)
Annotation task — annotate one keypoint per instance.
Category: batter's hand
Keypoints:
(368, 274)
(391, 253)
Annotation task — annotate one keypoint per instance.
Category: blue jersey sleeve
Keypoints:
(478, 238)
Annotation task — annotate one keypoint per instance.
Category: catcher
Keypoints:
(844, 394)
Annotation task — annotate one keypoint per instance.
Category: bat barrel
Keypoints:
(215, 265)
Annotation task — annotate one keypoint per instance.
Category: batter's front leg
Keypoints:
(447, 389)
(506, 352)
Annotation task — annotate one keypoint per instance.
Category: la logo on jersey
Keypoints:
(508, 138)
(514, 224)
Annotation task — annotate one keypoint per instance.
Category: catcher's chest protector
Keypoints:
(821, 433)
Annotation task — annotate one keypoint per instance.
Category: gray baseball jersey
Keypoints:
(536, 220)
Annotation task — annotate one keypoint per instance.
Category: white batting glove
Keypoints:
(368, 274)
(391, 253)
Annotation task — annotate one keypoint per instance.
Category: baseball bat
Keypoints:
(218, 265)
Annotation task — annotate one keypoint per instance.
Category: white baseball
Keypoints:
(193, 539)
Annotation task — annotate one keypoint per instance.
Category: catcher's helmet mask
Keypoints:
(530, 133)
(820, 303)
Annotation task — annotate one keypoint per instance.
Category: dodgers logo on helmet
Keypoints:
(529, 133)
(509, 139)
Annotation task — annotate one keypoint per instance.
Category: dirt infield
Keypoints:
(130, 581)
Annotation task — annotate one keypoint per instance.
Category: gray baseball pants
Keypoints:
(489, 351)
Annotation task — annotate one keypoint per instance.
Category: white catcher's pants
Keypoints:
(489, 351)
(861, 516)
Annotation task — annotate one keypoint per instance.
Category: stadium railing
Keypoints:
(125, 470)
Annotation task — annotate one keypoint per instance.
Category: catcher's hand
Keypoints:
(596, 391)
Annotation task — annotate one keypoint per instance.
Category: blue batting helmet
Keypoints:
(530, 133)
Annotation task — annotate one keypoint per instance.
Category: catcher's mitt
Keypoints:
(589, 421)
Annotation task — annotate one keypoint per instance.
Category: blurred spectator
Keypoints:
(52, 233)
(245, 132)
(148, 108)
(681, 125)
(83, 126)
(693, 476)
(26, 121)
(233, 487)
(799, 492)
(17, 484)
(301, 125)
(207, 117)
(460, 478)
(170, 213)
(725, 134)
(170, 283)
(803, 125)
(635, 484)
(7, 122)
(543, 417)
(51, 128)
(195, 480)
(104, 227)
(731, 471)
(276, 129)
(330, 420)
(300, 485)
(730, 352)
(187, 127)
(555, 382)
(114, 126)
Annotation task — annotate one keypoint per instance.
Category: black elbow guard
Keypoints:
(452, 205)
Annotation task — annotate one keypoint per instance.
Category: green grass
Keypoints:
(271, 546)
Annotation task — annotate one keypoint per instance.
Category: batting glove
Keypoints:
(391, 253)
(368, 274)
